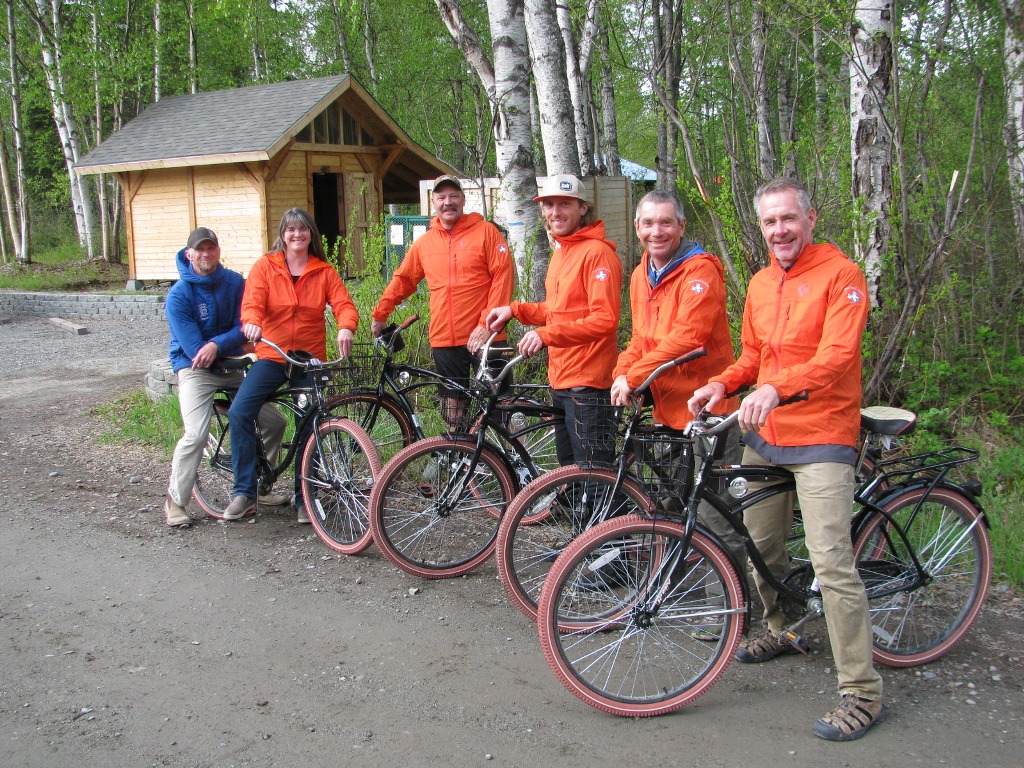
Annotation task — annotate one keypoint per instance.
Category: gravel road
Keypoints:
(125, 643)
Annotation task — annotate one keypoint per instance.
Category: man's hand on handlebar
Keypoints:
(756, 406)
(498, 317)
(252, 332)
(377, 327)
(706, 398)
(345, 337)
(477, 339)
(620, 391)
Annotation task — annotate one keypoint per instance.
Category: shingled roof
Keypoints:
(237, 125)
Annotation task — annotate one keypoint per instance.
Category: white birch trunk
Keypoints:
(193, 48)
(156, 50)
(1013, 129)
(547, 55)
(368, 42)
(870, 135)
(341, 36)
(19, 223)
(611, 133)
(106, 246)
(50, 35)
(579, 89)
(767, 161)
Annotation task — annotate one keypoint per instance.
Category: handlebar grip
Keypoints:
(693, 354)
(409, 321)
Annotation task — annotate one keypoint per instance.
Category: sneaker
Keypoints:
(767, 647)
(175, 514)
(239, 507)
(273, 499)
(850, 720)
(301, 517)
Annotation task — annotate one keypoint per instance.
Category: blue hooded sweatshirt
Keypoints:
(202, 308)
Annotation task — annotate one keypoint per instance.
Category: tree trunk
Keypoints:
(368, 46)
(50, 39)
(579, 86)
(547, 55)
(106, 241)
(870, 136)
(340, 36)
(193, 48)
(767, 160)
(1013, 130)
(21, 239)
(611, 133)
(156, 49)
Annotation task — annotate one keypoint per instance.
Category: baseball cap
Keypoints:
(200, 234)
(446, 180)
(562, 185)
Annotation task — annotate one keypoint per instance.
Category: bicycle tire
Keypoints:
(949, 534)
(384, 419)
(546, 516)
(215, 479)
(632, 650)
(428, 519)
(339, 466)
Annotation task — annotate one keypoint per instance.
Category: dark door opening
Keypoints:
(326, 206)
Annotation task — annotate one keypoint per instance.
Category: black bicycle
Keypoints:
(627, 609)
(335, 458)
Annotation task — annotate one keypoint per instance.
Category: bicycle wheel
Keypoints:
(430, 515)
(215, 481)
(339, 466)
(383, 418)
(911, 624)
(548, 514)
(635, 598)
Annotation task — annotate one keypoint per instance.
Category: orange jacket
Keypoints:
(468, 271)
(292, 315)
(685, 311)
(580, 313)
(802, 331)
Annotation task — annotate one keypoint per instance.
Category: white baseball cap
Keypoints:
(562, 185)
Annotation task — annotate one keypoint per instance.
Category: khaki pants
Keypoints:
(195, 398)
(825, 490)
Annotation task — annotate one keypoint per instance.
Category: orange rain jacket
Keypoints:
(580, 313)
(468, 271)
(802, 331)
(684, 311)
(292, 315)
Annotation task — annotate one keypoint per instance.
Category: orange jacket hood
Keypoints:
(802, 331)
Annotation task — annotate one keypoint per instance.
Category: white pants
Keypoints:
(196, 389)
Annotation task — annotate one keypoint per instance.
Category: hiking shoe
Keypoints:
(175, 514)
(239, 507)
(850, 720)
(766, 648)
(274, 499)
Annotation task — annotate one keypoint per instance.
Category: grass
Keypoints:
(134, 419)
(63, 268)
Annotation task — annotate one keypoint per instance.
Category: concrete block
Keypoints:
(67, 325)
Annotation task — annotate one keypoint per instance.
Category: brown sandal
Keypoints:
(851, 719)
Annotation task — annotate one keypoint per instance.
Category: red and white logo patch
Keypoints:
(697, 286)
(601, 274)
(854, 295)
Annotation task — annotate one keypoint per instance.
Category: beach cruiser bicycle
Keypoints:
(335, 458)
(626, 610)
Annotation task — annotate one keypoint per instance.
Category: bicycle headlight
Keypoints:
(517, 420)
(738, 487)
(404, 378)
(302, 401)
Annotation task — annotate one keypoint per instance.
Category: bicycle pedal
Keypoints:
(795, 640)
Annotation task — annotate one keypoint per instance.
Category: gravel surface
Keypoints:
(126, 643)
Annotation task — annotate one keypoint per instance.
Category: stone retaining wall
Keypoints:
(161, 381)
(94, 306)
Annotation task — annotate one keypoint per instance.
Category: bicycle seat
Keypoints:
(886, 420)
(240, 363)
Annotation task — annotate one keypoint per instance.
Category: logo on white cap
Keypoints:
(565, 185)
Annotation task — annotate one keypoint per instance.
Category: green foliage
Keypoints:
(134, 419)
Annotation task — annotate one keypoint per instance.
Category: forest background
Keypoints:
(905, 118)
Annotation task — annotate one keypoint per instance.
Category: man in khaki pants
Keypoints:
(802, 326)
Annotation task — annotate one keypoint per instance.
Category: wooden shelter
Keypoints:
(236, 160)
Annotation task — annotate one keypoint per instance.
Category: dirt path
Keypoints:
(124, 643)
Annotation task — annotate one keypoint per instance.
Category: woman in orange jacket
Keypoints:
(285, 297)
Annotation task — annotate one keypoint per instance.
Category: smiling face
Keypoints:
(786, 226)
(449, 202)
(204, 257)
(660, 231)
(563, 215)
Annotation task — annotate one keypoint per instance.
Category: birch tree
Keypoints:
(1013, 129)
(506, 81)
(16, 183)
(870, 134)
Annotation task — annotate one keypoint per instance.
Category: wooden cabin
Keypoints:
(236, 160)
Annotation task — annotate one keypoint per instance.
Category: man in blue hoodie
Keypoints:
(204, 312)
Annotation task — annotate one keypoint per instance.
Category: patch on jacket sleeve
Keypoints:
(601, 274)
(697, 286)
(853, 294)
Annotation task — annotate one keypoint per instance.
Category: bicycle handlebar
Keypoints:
(693, 354)
(483, 375)
(698, 427)
(311, 363)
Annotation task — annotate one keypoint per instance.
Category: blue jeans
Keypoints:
(584, 432)
(261, 381)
